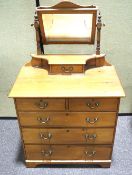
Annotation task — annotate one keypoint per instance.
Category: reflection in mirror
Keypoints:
(67, 27)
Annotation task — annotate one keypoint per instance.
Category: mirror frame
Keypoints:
(67, 8)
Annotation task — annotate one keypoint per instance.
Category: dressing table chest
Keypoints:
(67, 105)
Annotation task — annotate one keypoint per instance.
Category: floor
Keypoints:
(12, 161)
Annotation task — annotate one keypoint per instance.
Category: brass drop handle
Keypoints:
(90, 154)
(46, 153)
(42, 104)
(93, 106)
(46, 136)
(67, 70)
(88, 120)
(90, 136)
(43, 120)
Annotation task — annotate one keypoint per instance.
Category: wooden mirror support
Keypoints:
(62, 15)
(51, 29)
(99, 25)
(40, 48)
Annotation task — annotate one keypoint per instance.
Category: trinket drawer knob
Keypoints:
(67, 70)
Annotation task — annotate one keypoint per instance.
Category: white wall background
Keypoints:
(17, 42)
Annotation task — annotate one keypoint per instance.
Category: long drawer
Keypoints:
(93, 104)
(68, 136)
(40, 104)
(67, 152)
(65, 119)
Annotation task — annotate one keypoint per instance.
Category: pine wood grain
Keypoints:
(67, 59)
(67, 135)
(97, 82)
(36, 104)
(68, 152)
(93, 104)
(67, 119)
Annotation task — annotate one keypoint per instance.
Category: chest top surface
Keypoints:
(96, 82)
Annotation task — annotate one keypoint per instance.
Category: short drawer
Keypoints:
(93, 104)
(40, 104)
(66, 68)
(67, 152)
(68, 136)
(68, 119)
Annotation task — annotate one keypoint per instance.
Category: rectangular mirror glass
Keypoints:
(67, 27)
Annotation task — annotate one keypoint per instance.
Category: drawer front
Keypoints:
(66, 68)
(40, 104)
(68, 136)
(93, 104)
(71, 119)
(67, 152)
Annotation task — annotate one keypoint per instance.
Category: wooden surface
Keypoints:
(97, 82)
(66, 69)
(90, 104)
(67, 59)
(68, 135)
(76, 152)
(67, 4)
(67, 101)
(67, 119)
(39, 104)
(35, 163)
(99, 89)
(68, 64)
(78, 23)
(68, 104)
